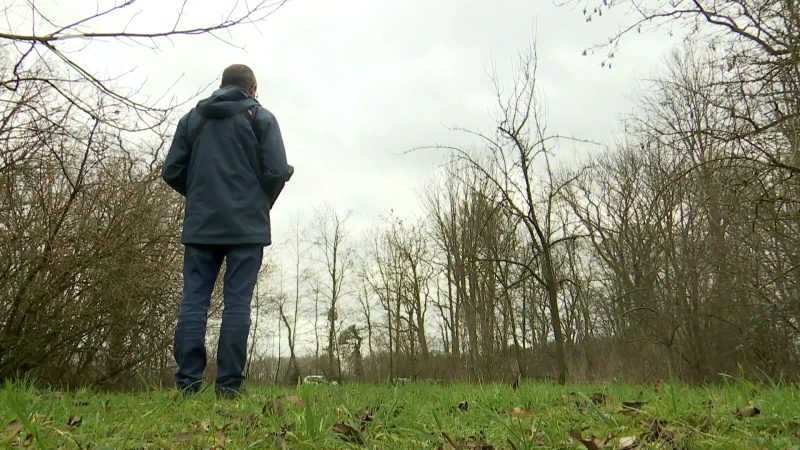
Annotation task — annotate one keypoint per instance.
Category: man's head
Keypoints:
(240, 75)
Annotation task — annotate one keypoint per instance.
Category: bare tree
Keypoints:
(332, 242)
(520, 141)
(48, 40)
(300, 277)
(757, 45)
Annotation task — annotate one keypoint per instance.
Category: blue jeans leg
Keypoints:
(201, 265)
(243, 263)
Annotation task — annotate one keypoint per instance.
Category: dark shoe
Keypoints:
(229, 393)
(189, 391)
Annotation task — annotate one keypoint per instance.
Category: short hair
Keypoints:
(238, 75)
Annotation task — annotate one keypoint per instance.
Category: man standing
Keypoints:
(227, 158)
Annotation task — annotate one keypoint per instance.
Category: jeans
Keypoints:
(201, 267)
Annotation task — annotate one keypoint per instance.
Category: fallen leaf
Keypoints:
(347, 432)
(74, 420)
(221, 438)
(598, 398)
(750, 411)
(654, 426)
(707, 422)
(278, 405)
(183, 437)
(659, 430)
(221, 433)
(364, 416)
(15, 426)
(280, 441)
(632, 407)
(628, 443)
(520, 412)
(589, 444)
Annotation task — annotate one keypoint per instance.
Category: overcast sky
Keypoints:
(354, 83)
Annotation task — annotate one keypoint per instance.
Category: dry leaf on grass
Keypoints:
(631, 408)
(74, 420)
(655, 426)
(591, 443)
(660, 431)
(280, 442)
(183, 437)
(221, 438)
(278, 405)
(628, 443)
(347, 432)
(15, 426)
(367, 417)
(743, 413)
(598, 398)
(519, 412)
(221, 433)
(707, 422)
(364, 415)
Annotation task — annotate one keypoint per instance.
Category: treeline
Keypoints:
(672, 252)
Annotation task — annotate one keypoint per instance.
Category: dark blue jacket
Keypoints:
(221, 176)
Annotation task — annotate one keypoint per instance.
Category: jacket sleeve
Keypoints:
(277, 170)
(176, 166)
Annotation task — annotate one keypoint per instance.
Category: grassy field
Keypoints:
(737, 415)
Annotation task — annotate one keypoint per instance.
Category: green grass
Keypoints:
(416, 415)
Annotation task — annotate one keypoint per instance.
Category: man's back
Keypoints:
(225, 188)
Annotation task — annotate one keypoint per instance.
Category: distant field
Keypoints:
(736, 416)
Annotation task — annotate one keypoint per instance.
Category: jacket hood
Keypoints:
(226, 102)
